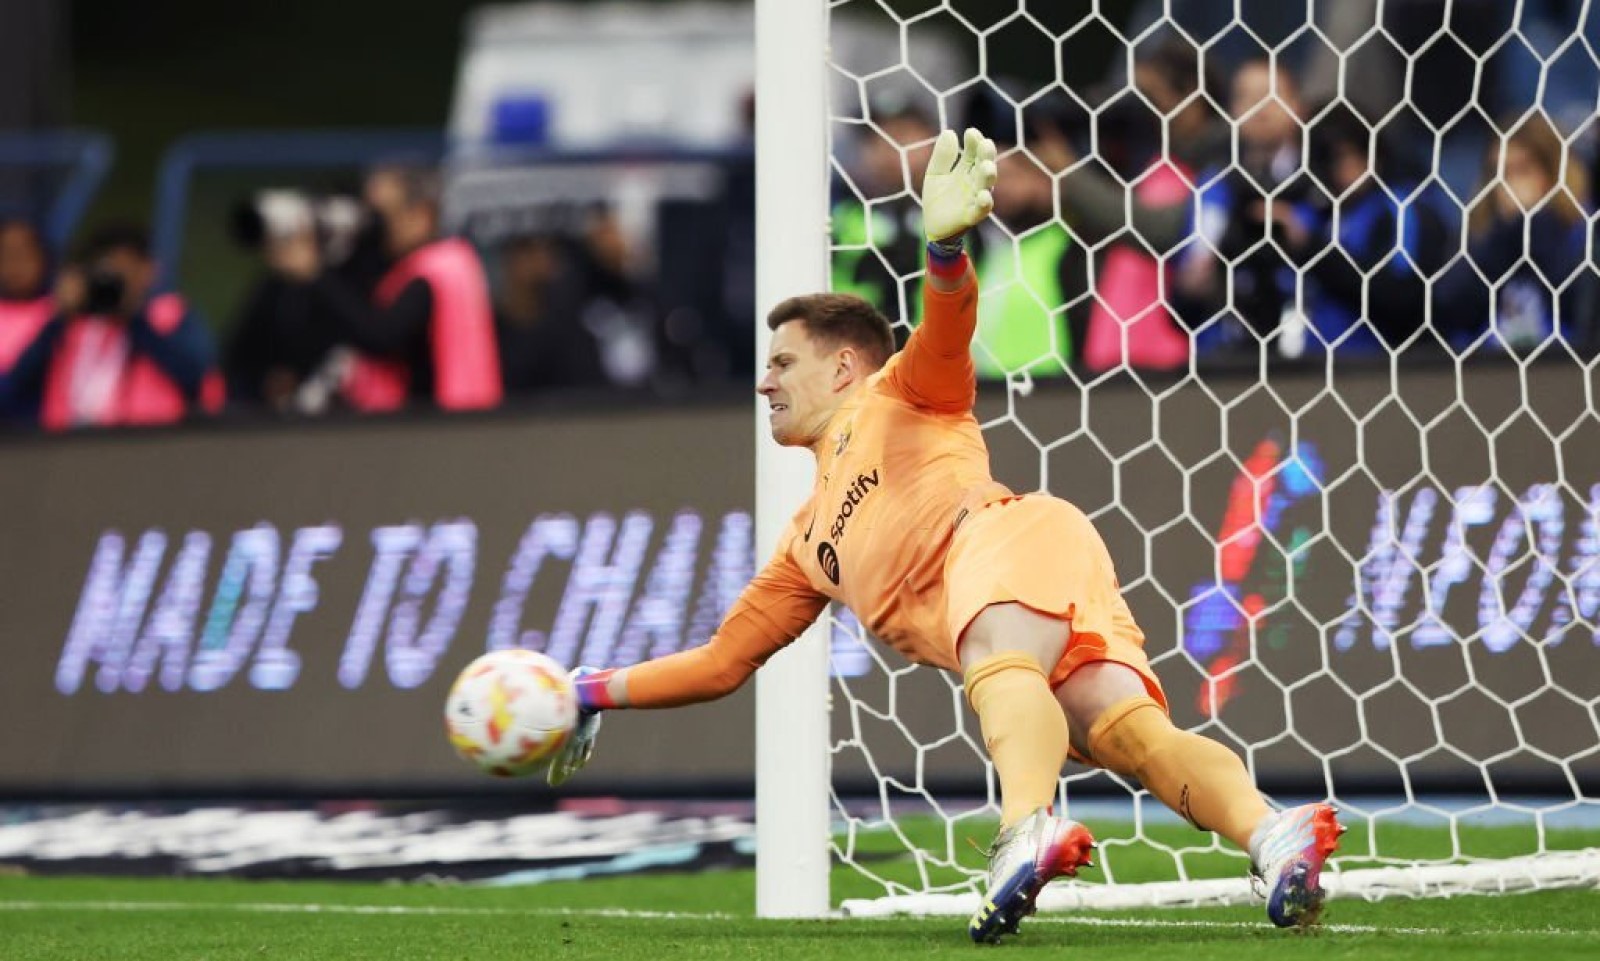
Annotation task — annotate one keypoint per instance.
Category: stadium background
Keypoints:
(555, 519)
(132, 74)
(124, 700)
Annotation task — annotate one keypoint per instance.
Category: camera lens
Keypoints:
(105, 292)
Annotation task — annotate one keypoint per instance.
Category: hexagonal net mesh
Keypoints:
(1297, 302)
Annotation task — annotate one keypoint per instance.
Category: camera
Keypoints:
(273, 215)
(105, 291)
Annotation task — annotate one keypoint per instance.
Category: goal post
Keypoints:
(1368, 563)
(792, 755)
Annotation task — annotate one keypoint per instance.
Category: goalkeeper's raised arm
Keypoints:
(957, 194)
(936, 371)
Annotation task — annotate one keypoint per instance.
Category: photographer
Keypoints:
(428, 329)
(115, 355)
(1370, 295)
(1236, 278)
(283, 343)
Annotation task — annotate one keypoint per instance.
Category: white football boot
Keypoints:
(1025, 857)
(1288, 851)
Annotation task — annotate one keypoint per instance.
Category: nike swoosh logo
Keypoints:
(814, 509)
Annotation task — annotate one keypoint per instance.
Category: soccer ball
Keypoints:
(509, 711)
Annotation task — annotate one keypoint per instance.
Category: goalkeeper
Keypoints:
(1017, 593)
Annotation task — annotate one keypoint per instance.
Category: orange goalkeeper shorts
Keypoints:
(1043, 552)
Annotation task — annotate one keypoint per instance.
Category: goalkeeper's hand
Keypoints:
(957, 191)
(575, 753)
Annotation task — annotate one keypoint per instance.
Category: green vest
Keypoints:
(852, 240)
(849, 246)
(1022, 315)
(858, 243)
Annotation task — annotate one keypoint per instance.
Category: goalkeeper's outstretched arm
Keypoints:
(773, 609)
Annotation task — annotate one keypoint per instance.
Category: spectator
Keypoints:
(703, 283)
(1033, 273)
(383, 196)
(25, 301)
(1170, 76)
(282, 353)
(115, 355)
(281, 343)
(1265, 104)
(1236, 285)
(428, 329)
(1377, 244)
(619, 311)
(1527, 237)
(543, 343)
(1556, 71)
(877, 228)
(1159, 144)
(281, 340)
(1435, 71)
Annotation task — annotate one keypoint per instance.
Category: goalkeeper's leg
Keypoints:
(1120, 727)
(1006, 654)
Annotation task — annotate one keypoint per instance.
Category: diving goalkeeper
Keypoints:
(906, 527)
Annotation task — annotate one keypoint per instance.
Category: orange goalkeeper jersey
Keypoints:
(899, 465)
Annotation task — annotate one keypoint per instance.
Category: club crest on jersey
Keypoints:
(844, 439)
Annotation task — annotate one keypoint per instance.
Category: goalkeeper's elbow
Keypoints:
(726, 679)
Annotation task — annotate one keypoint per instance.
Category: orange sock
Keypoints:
(1023, 728)
(1195, 776)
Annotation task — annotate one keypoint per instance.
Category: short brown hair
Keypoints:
(1554, 155)
(839, 319)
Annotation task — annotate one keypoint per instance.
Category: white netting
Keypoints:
(1298, 303)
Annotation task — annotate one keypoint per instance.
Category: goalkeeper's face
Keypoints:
(805, 383)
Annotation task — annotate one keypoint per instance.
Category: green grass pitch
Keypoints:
(710, 915)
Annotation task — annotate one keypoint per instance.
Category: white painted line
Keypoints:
(1095, 921)
(423, 910)
(289, 907)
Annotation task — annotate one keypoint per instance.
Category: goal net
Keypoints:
(1296, 304)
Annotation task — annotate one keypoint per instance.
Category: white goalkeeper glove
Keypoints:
(957, 191)
(575, 753)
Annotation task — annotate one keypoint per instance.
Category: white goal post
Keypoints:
(1376, 578)
(792, 757)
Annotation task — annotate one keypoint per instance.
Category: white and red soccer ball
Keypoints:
(509, 711)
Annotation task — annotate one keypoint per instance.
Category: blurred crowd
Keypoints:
(1224, 218)
(362, 303)
(94, 343)
(1208, 212)
(366, 303)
